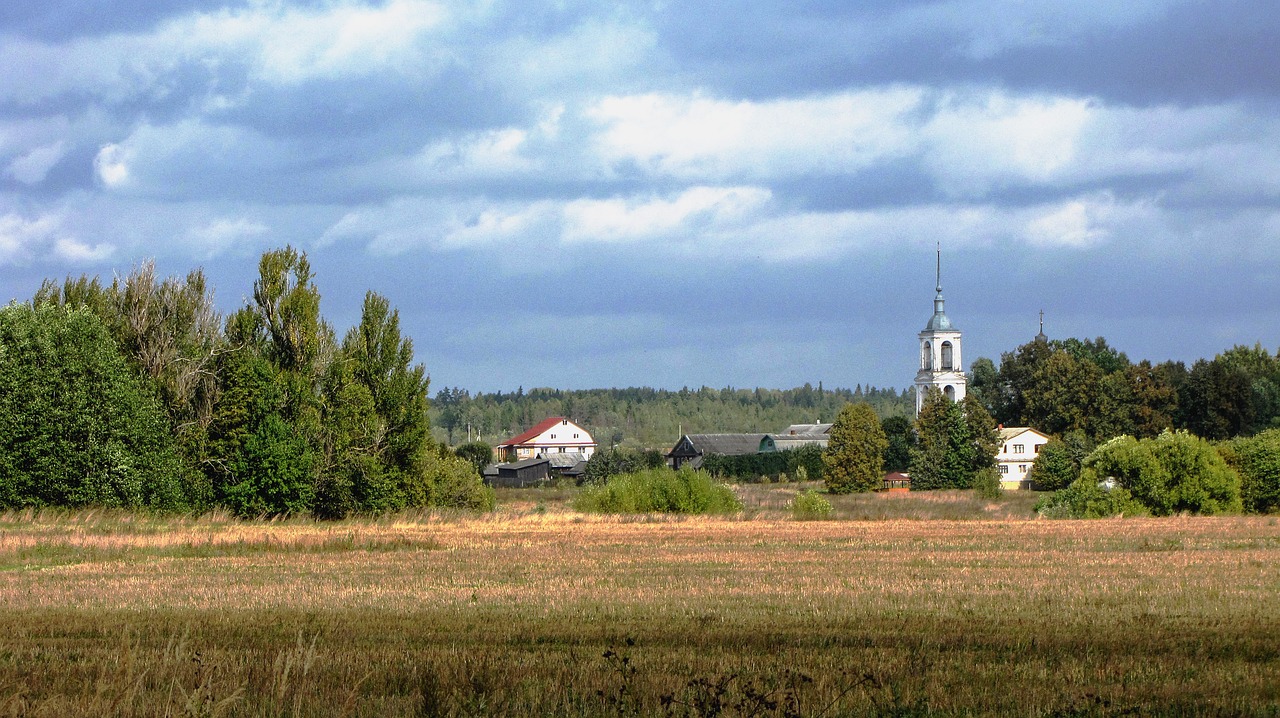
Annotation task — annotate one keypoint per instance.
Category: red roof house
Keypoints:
(553, 435)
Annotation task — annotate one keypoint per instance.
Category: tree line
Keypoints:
(139, 394)
(651, 418)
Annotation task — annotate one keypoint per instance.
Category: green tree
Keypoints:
(901, 438)
(77, 426)
(956, 443)
(854, 459)
(938, 420)
(478, 453)
(1056, 467)
(984, 383)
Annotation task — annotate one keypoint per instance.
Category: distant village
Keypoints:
(558, 448)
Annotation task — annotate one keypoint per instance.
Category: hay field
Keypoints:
(536, 610)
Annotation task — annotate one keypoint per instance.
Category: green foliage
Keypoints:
(451, 482)
(478, 453)
(772, 465)
(1088, 499)
(607, 463)
(854, 459)
(901, 438)
(77, 427)
(956, 441)
(1258, 460)
(275, 472)
(986, 483)
(1173, 473)
(810, 505)
(1058, 464)
(660, 490)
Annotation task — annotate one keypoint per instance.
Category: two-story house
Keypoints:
(554, 435)
(1019, 447)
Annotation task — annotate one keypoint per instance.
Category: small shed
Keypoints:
(896, 481)
(520, 474)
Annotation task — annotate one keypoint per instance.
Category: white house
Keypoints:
(554, 435)
(1019, 447)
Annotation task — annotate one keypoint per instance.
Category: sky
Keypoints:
(583, 194)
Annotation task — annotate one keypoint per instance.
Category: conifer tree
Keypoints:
(854, 459)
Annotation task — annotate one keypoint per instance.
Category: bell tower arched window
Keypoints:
(946, 357)
(926, 356)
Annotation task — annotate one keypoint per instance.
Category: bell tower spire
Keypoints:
(940, 358)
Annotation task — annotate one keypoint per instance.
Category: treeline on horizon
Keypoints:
(138, 394)
(641, 417)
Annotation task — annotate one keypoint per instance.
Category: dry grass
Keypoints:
(514, 613)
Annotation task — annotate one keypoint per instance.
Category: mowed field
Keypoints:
(925, 604)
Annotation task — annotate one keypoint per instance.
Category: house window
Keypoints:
(576, 436)
(1004, 468)
(1006, 448)
(553, 436)
(562, 449)
(1019, 448)
(1022, 468)
(1037, 447)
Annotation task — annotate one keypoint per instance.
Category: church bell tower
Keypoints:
(941, 366)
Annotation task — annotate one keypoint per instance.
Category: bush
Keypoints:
(659, 490)
(1087, 499)
(750, 467)
(811, 506)
(1172, 473)
(986, 483)
(77, 426)
(1257, 458)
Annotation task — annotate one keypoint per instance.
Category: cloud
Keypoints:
(34, 166)
(44, 238)
(222, 234)
(692, 136)
(692, 212)
(112, 165)
(81, 253)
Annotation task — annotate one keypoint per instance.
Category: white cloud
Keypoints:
(24, 240)
(976, 141)
(1077, 223)
(290, 45)
(34, 166)
(111, 165)
(698, 137)
(222, 234)
(80, 252)
(692, 212)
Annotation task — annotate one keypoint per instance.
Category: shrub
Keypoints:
(1172, 473)
(1088, 499)
(811, 506)
(77, 426)
(660, 490)
(987, 484)
(1258, 460)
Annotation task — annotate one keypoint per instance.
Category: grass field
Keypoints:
(927, 604)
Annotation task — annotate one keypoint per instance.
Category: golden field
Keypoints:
(536, 610)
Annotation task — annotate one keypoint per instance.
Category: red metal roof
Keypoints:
(533, 433)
